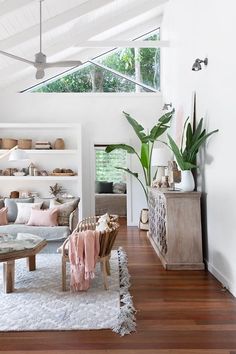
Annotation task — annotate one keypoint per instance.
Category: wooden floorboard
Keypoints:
(178, 312)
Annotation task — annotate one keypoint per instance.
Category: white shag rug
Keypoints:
(38, 303)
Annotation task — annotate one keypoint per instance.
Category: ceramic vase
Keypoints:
(187, 183)
(59, 144)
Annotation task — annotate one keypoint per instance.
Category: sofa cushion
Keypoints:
(104, 187)
(49, 233)
(64, 210)
(3, 216)
(10, 203)
(46, 217)
(24, 211)
(119, 188)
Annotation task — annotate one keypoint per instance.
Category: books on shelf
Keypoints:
(42, 145)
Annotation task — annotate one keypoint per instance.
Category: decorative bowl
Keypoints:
(18, 173)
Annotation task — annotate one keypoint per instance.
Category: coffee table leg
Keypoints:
(31, 263)
(8, 276)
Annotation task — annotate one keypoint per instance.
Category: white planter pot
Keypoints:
(187, 183)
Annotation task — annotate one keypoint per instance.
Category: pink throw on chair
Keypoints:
(84, 248)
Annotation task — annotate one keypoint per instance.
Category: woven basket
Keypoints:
(8, 143)
(25, 144)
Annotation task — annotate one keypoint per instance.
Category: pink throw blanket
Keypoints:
(84, 248)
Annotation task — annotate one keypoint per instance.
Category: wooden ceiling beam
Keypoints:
(12, 5)
(52, 23)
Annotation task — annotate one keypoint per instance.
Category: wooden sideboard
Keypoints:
(175, 228)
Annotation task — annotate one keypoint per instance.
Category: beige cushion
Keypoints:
(64, 210)
(24, 210)
(3, 216)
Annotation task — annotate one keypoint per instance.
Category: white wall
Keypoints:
(102, 122)
(197, 29)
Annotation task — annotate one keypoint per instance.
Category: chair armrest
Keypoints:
(73, 219)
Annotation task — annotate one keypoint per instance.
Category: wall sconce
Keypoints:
(197, 64)
(166, 106)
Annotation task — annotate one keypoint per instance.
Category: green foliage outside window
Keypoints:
(141, 65)
(106, 163)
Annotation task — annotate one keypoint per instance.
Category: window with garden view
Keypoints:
(141, 65)
(106, 165)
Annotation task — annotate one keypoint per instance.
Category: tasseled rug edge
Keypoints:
(126, 322)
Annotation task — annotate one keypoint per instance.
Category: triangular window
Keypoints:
(119, 70)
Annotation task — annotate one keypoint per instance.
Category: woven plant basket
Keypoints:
(25, 144)
(8, 143)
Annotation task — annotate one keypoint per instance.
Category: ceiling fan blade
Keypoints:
(65, 63)
(13, 56)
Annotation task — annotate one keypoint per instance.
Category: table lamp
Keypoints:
(15, 154)
(160, 157)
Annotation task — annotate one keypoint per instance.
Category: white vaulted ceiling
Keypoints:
(66, 24)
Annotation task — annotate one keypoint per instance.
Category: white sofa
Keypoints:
(48, 232)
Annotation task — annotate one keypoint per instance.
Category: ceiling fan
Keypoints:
(40, 62)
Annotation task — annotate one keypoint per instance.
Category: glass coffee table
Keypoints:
(16, 247)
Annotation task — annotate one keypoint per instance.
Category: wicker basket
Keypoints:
(25, 144)
(8, 143)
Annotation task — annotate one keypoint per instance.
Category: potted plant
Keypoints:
(186, 155)
(147, 141)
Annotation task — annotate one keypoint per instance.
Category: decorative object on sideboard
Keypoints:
(59, 144)
(197, 64)
(160, 157)
(186, 155)
(174, 174)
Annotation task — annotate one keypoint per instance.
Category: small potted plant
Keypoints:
(186, 155)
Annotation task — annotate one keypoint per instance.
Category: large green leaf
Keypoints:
(177, 153)
(182, 138)
(189, 136)
(125, 147)
(165, 119)
(138, 128)
(156, 132)
(135, 174)
(145, 155)
(199, 142)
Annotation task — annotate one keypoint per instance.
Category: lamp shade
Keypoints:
(18, 154)
(160, 156)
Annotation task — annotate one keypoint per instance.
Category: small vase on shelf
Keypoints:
(59, 144)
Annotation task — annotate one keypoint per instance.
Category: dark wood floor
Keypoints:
(178, 312)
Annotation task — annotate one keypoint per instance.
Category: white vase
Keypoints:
(187, 183)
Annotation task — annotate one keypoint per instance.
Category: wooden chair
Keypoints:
(107, 240)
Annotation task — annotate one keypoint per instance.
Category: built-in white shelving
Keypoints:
(39, 178)
(49, 151)
(68, 158)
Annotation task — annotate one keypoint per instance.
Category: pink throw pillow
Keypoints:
(47, 217)
(3, 216)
